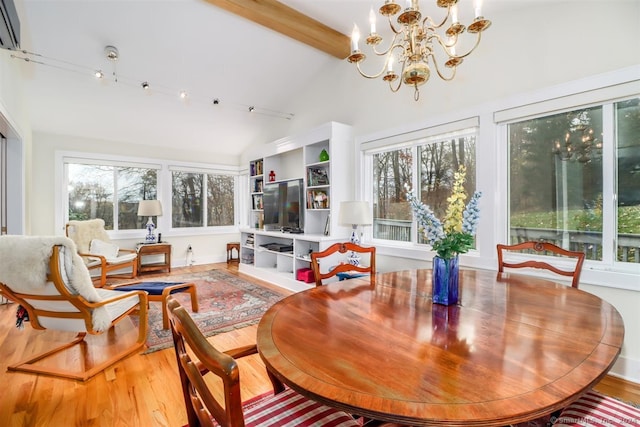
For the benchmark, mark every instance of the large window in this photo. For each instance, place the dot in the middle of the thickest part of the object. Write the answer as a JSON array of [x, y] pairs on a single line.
[[109, 192], [628, 182], [111, 189], [556, 187], [199, 198], [427, 165]]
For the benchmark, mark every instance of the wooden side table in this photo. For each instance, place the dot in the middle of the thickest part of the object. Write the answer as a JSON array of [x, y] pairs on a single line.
[[154, 249]]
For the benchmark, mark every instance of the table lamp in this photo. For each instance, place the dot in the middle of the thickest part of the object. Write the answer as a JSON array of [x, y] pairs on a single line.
[[355, 214], [150, 208]]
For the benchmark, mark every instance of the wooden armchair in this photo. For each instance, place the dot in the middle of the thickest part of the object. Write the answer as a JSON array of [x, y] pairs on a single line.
[[58, 294], [543, 248], [343, 268], [95, 246], [285, 408]]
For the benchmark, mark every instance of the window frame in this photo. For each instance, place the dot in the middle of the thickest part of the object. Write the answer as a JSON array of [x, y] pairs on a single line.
[[164, 189], [609, 173], [412, 140]]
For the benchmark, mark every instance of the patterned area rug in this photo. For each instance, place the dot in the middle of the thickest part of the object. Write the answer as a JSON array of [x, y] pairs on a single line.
[[226, 302]]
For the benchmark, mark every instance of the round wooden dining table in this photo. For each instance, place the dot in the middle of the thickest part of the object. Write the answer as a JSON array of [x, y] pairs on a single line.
[[513, 349]]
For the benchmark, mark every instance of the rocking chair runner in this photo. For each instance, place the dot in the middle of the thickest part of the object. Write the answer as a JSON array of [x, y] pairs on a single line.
[[61, 302]]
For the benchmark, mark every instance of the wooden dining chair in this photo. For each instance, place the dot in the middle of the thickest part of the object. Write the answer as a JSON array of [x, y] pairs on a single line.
[[542, 248], [285, 408], [342, 268]]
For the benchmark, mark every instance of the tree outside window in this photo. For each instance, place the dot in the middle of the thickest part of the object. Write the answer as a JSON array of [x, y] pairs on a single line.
[[438, 158], [556, 191], [199, 199], [93, 189]]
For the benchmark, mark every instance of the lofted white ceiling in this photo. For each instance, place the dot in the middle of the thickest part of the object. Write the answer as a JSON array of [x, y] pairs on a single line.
[[174, 45]]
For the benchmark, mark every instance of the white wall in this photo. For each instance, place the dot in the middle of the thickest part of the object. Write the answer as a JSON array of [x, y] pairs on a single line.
[[544, 44], [14, 125], [209, 247]]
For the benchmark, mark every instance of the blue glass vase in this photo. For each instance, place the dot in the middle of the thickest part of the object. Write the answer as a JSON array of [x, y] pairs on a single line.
[[445, 280]]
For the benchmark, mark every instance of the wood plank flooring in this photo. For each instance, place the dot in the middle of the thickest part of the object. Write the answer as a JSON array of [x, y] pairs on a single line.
[[141, 390]]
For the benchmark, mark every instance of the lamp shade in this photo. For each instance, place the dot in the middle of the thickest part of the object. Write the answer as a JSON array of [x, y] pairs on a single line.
[[355, 212], [149, 208]]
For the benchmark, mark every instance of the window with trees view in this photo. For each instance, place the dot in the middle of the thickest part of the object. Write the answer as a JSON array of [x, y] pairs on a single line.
[[432, 161], [112, 190], [199, 199], [109, 192], [556, 188]]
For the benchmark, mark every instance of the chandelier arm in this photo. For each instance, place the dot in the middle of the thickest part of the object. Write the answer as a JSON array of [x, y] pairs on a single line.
[[394, 44], [397, 85], [394, 29], [442, 76], [370, 76], [473, 48], [433, 24], [446, 46]]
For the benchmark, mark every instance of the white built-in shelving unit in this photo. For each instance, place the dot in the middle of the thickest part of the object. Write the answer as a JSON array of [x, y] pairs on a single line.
[[276, 256]]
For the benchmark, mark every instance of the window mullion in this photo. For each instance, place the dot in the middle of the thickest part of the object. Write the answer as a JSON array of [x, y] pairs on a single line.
[[116, 200], [609, 192]]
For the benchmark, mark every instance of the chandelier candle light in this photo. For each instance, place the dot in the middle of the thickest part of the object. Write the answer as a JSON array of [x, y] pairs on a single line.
[[450, 239], [414, 43]]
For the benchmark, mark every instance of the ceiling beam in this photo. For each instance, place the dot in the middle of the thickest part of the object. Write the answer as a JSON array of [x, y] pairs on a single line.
[[285, 20]]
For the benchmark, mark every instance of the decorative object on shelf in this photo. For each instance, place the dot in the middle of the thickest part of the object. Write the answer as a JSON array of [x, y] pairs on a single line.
[[317, 176], [150, 208], [324, 156], [354, 214], [448, 240], [320, 200], [272, 176], [414, 43]]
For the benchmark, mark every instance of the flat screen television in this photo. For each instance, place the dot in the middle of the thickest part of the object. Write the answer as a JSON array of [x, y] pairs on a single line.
[[283, 205]]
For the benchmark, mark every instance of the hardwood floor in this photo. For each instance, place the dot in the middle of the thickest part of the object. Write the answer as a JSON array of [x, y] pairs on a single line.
[[141, 390]]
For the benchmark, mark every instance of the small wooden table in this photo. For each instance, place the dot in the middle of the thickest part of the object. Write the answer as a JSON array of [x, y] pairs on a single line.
[[154, 249], [516, 348]]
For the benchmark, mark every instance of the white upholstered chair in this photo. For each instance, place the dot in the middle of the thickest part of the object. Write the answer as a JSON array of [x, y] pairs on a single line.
[[96, 248], [47, 277]]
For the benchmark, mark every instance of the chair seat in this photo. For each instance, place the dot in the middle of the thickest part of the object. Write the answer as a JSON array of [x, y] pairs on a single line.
[[152, 288], [596, 410], [290, 409]]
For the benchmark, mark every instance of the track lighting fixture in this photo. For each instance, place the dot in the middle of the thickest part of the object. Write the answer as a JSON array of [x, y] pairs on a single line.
[[112, 54]]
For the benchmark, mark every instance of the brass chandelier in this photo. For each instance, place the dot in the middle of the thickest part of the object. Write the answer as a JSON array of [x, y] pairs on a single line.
[[414, 43]]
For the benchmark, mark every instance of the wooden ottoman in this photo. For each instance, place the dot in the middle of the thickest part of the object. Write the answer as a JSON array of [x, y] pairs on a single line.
[[160, 291]]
